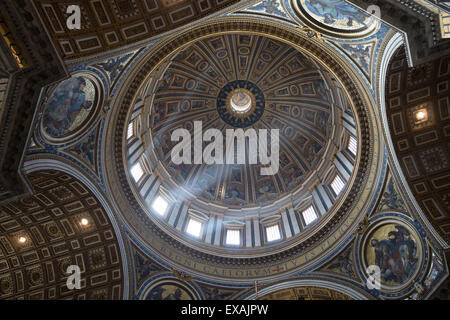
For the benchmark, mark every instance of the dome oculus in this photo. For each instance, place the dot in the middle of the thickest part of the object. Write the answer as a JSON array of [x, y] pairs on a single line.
[[240, 101]]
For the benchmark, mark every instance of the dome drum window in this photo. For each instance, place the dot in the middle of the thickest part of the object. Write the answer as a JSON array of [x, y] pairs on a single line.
[[273, 233], [352, 145], [233, 237], [160, 205], [130, 130], [137, 172], [275, 227], [194, 227], [309, 215], [233, 232], [337, 185]]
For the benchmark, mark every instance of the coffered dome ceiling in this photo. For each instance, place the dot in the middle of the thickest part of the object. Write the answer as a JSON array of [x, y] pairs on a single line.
[[241, 81], [285, 90], [241, 75]]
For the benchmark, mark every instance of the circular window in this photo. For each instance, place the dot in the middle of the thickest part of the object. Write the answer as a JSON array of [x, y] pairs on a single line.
[[240, 101]]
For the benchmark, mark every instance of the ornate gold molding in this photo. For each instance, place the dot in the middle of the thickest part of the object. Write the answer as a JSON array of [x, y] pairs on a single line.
[[14, 47]]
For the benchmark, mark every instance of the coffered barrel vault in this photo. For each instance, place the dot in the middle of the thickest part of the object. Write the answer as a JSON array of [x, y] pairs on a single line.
[[112, 24], [63, 224], [418, 110]]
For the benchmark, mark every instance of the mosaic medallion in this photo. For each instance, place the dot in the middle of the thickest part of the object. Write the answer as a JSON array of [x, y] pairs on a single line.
[[336, 16], [395, 249], [70, 106], [169, 290]]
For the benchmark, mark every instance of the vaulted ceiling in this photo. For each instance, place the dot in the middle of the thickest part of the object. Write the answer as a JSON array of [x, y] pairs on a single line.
[[422, 145], [55, 238], [111, 24], [419, 20], [295, 99]]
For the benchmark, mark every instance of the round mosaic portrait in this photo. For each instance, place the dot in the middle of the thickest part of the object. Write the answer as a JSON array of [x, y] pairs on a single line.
[[336, 16], [169, 290], [396, 249], [70, 106]]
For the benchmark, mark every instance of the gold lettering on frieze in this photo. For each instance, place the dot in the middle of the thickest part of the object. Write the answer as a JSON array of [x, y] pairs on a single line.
[[248, 273], [13, 46]]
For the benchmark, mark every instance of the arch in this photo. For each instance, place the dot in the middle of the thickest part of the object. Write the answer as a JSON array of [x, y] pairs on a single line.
[[392, 46], [53, 164], [311, 282]]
